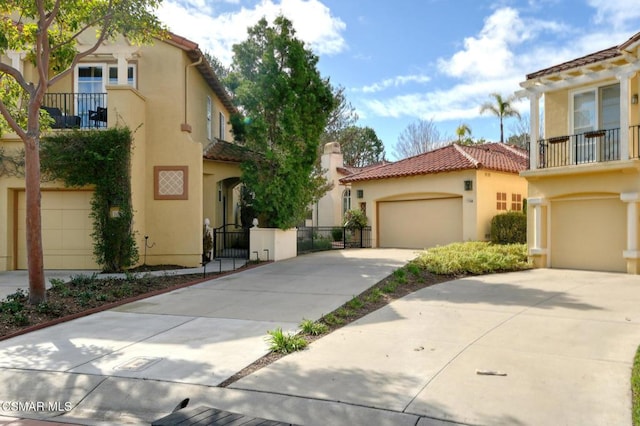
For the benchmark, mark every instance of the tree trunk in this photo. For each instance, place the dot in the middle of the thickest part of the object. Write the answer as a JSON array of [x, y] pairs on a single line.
[[37, 290], [501, 132]]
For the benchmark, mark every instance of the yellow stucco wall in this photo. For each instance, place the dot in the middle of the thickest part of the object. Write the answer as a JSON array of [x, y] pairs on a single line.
[[478, 205], [490, 182]]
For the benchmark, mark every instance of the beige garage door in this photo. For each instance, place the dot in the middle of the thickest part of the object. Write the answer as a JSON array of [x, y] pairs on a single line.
[[420, 223], [588, 234], [66, 230]]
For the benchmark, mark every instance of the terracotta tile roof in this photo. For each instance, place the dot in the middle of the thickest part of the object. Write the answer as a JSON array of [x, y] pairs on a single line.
[[220, 150], [195, 54], [603, 55], [350, 170], [454, 157]]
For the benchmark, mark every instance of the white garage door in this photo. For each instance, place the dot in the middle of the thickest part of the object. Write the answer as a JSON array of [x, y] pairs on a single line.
[[66, 230], [588, 234], [420, 223]]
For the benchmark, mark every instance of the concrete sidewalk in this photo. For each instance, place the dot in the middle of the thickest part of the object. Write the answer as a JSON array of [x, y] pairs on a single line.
[[564, 340]]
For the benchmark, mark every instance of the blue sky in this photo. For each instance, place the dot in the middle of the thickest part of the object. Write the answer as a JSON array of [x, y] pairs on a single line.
[[406, 60]]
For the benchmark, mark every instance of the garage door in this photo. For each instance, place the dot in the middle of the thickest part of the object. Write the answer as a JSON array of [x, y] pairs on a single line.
[[420, 223], [66, 230], [588, 234]]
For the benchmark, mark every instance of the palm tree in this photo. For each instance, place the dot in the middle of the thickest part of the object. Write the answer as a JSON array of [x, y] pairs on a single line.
[[463, 130], [501, 108]]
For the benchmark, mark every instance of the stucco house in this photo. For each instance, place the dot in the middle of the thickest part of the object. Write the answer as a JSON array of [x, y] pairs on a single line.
[[184, 170], [330, 209], [442, 196], [584, 176]]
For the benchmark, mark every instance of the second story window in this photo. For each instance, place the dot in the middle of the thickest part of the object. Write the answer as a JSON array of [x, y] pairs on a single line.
[[209, 114], [222, 126], [131, 75]]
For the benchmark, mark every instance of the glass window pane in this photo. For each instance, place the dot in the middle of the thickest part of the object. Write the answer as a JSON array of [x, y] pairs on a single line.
[[610, 107], [584, 112]]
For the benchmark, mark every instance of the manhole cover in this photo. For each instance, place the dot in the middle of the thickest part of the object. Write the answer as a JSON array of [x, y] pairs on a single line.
[[138, 363]]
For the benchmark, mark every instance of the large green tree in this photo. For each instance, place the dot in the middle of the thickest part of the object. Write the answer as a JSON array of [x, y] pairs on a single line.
[[47, 32], [285, 104], [502, 108]]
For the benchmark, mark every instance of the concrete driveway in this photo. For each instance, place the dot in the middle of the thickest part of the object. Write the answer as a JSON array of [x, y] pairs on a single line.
[[564, 340], [558, 346]]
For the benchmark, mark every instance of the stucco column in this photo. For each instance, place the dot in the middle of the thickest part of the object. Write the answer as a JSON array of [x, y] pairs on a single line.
[[534, 126], [536, 246], [123, 68], [624, 114], [632, 254]]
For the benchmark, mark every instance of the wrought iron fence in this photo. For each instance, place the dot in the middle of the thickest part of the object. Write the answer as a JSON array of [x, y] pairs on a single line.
[[319, 238], [231, 241]]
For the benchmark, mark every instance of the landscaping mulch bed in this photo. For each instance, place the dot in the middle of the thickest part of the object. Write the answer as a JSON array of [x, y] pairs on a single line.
[[85, 295]]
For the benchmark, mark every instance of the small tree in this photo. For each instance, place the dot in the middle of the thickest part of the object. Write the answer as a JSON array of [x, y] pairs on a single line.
[[286, 104], [47, 31]]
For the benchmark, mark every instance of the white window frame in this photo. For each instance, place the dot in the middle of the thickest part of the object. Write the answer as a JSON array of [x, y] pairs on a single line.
[[346, 201], [209, 117], [222, 130]]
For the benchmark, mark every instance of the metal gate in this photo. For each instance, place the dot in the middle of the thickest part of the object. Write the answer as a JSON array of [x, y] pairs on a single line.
[[231, 241]]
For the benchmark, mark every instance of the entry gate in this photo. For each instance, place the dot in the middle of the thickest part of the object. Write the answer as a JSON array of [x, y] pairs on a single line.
[[231, 241]]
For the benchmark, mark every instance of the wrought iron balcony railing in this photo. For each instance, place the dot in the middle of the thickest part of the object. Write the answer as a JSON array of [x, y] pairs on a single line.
[[589, 147], [76, 110]]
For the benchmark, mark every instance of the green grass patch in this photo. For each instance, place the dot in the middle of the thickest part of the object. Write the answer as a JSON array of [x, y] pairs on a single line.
[[474, 257], [284, 343], [311, 328], [374, 296], [635, 389], [355, 303], [390, 286]]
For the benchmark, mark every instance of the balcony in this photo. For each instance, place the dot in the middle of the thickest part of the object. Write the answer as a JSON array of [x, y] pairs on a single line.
[[589, 147], [76, 110]]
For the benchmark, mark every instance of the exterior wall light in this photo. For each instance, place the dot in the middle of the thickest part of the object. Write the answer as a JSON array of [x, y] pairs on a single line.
[[360, 193], [634, 98]]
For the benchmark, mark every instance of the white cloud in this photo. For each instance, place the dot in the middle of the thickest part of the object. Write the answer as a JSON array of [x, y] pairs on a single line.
[[394, 82], [199, 21], [615, 13]]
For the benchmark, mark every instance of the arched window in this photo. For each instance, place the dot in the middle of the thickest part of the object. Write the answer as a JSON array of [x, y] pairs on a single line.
[[346, 201]]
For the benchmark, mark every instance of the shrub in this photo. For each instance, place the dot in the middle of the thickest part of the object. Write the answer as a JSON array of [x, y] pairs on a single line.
[[336, 234], [313, 328], [509, 228], [355, 219], [284, 343], [474, 257]]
